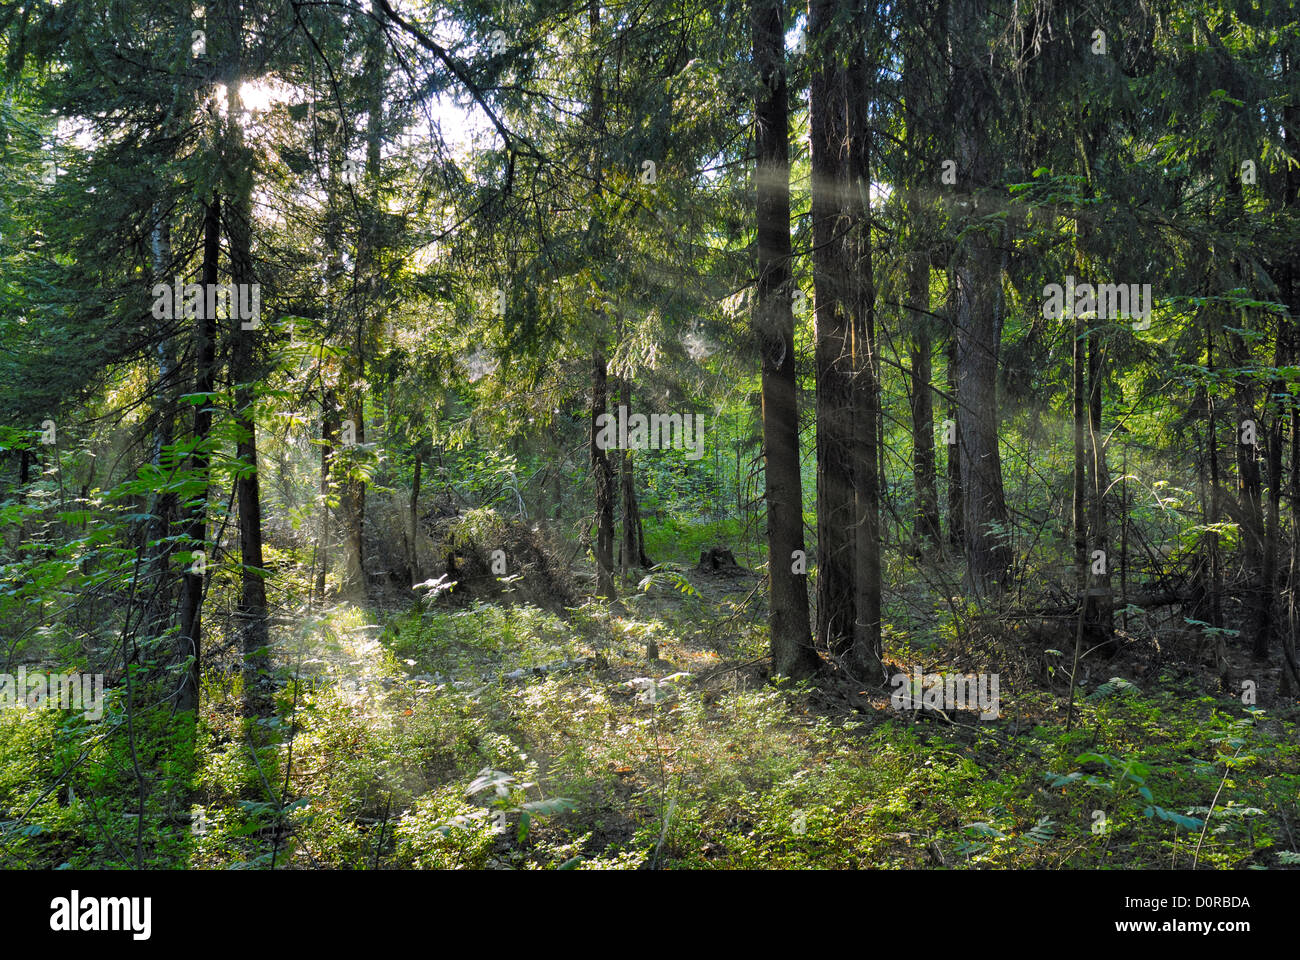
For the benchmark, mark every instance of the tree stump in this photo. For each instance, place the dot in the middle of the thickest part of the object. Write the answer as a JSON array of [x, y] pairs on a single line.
[[719, 560]]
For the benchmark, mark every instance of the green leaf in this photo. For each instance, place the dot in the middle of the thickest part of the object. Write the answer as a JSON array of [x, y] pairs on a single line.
[[1059, 780], [1176, 818], [546, 808], [1115, 685], [489, 779]]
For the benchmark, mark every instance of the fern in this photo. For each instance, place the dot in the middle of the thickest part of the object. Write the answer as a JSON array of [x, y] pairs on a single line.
[[1115, 686], [1044, 831], [669, 576]]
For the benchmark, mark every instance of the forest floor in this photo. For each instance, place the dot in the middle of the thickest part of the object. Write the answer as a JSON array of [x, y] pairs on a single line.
[[502, 735]]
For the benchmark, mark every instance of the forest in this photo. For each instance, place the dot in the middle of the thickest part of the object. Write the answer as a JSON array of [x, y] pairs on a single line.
[[649, 435]]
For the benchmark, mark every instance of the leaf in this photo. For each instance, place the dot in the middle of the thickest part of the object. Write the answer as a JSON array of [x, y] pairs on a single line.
[[489, 779], [1134, 770], [1060, 780], [525, 821], [1175, 818], [1223, 96], [547, 808], [1042, 832], [985, 830], [570, 864], [1115, 685]]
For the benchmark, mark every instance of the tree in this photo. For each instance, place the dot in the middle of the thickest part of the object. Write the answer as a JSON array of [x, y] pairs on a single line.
[[836, 504], [788, 622], [917, 116], [848, 533], [977, 300]]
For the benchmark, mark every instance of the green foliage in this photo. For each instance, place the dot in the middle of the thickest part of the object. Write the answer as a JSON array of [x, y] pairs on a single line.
[[1114, 687], [455, 303]]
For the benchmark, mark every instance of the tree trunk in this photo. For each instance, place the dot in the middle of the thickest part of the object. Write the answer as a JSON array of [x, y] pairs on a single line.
[[602, 474], [926, 524], [793, 654], [1291, 124], [833, 336], [1079, 404], [604, 478], [1293, 612], [632, 550], [956, 495], [413, 564], [1264, 623], [162, 506], [1099, 590], [1123, 537], [353, 500], [976, 320], [193, 530], [856, 93], [329, 433], [1212, 538], [1250, 495], [251, 610]]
